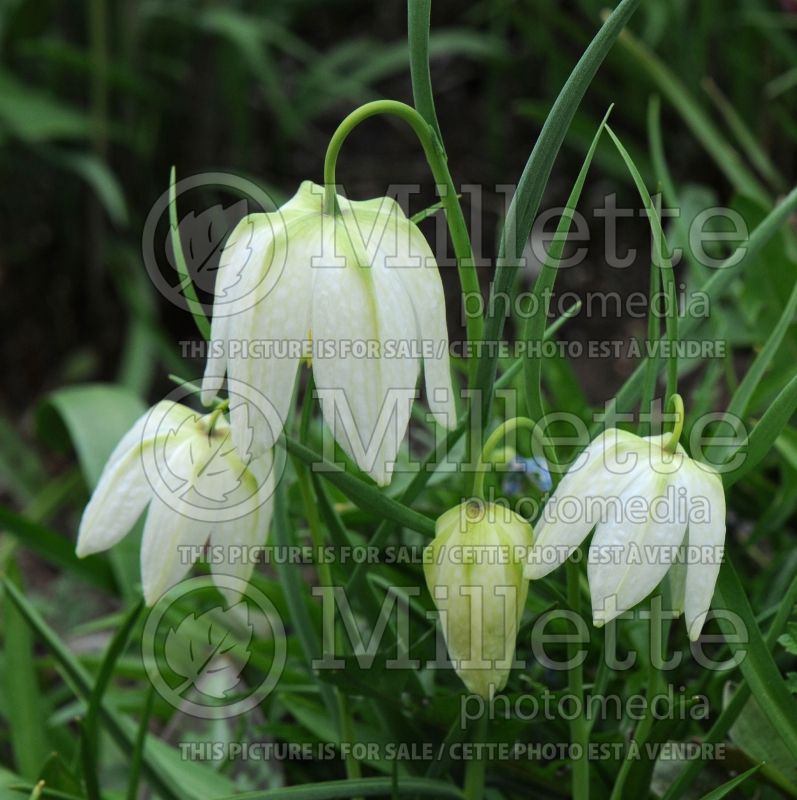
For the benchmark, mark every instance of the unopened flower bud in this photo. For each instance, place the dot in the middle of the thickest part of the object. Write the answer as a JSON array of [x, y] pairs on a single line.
[[474, 571]]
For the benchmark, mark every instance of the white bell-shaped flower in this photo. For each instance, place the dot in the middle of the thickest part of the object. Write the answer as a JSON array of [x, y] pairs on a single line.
[[184, 469], [357, 293], [652, 510], [474, 572]]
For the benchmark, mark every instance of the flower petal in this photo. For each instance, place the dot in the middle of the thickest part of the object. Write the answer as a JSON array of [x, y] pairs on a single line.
[[166, 547], [631, 553], [279, 326], [407, 254], [365, 397], [598, 472], [123, 490], [235, 542], [708, 534]]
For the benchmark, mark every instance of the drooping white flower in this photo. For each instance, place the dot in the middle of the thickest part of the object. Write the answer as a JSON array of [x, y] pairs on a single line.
[[649, 508], [359, 294], [474, 572], [183, 468]]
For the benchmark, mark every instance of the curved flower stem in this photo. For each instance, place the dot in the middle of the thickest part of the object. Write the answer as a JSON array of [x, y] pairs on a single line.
[[677, 404], [216, 413], [435, 156], [495, 438]]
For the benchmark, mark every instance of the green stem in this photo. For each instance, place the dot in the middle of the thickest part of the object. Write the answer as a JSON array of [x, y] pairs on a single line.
[[329, 635], [435, 156], [495, 438], [654, 687], [216, 413], [579, 727], [677, 404], [418, 15], [475, 769]]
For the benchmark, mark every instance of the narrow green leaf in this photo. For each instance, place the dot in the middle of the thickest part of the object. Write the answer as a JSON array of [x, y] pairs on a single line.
[[758, 667], [364, 787], [755, 153], [57, 549], [661, 252], [741, 397], [90, 728], [27, 735], [725, 720], [729, 786], [418, 13], [732, 268], [761, 439], [296, 591], [543, 286], [533, 181], [701, 125], [168, 774], [360, 493], [187, 284], [137, 759]]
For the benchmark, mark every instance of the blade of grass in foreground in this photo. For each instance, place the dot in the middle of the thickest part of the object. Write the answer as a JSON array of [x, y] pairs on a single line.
[[168, 775], [543, 286], [364, 787], [186, 284], [664, 262], [761, 439], [533, 181], [758, 667]]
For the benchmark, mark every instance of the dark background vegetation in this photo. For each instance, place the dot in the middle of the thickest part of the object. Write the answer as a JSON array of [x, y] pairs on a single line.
[[97, 101]]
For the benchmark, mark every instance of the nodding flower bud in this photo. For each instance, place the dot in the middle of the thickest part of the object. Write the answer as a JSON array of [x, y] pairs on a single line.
[[474, 572]]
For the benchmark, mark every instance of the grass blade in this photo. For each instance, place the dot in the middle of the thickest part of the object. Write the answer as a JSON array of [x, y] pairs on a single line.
[[734, 267], [187, 284], [665, 264], [90, 729], [364, 787], [543, 286], [760, 441], [729, 786], [704, 130], [758, 667], [137, 759], [360, 493], [533, 181]]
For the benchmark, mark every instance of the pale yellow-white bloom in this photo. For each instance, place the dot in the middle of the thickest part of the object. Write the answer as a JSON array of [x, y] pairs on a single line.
[[195, 486], [474, 572], [358, 295], [649, 508]]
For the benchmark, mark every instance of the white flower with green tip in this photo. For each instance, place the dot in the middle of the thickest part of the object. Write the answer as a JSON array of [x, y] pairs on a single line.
[[648, 506], [183, 468], [325, 286]]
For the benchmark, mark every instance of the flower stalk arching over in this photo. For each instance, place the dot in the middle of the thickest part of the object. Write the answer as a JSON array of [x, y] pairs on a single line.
[[475, 576], [318, 284], [631, 553], [183, 468]]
